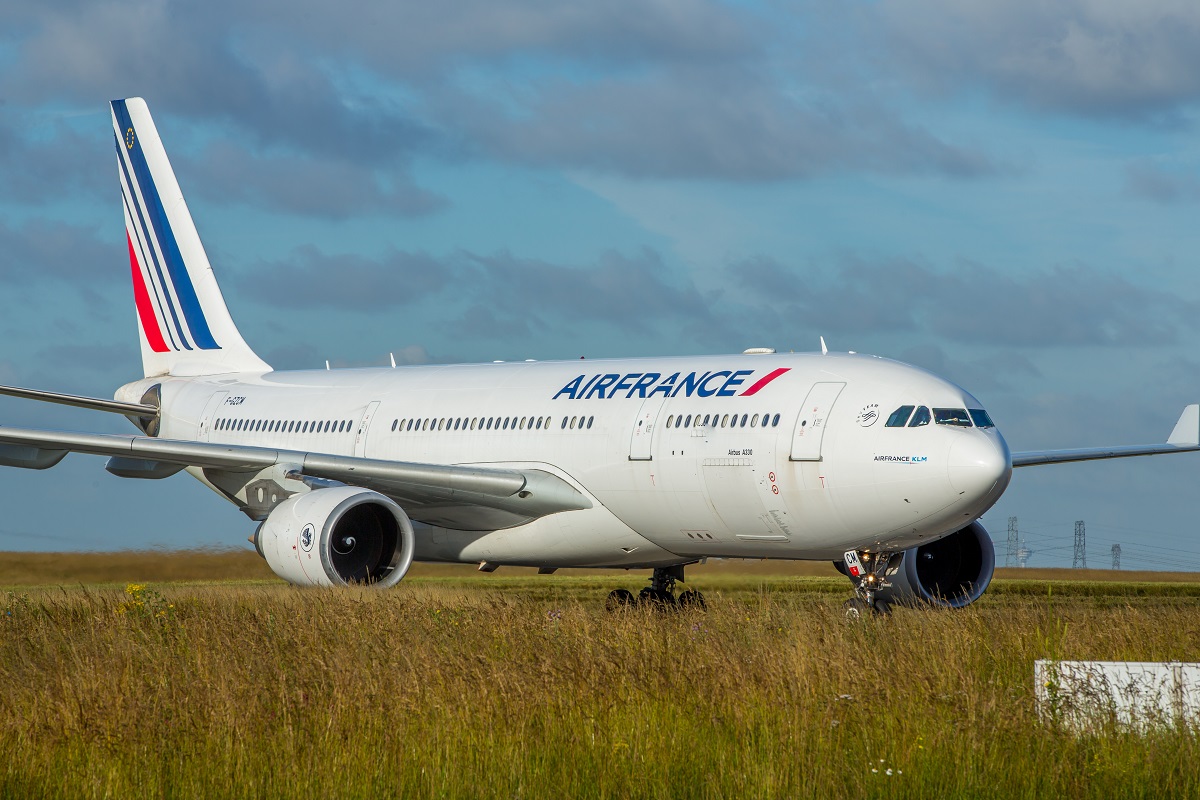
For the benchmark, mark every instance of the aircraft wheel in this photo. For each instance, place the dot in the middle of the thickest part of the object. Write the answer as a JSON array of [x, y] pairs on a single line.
[[690, 599], [656, 597], [856, 609], [619, 599]]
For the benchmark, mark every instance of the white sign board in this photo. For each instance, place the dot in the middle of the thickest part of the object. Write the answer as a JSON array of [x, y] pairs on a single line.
[[1140, 694]]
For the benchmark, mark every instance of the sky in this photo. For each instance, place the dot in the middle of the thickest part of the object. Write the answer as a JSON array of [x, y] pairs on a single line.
[[1003, 193]]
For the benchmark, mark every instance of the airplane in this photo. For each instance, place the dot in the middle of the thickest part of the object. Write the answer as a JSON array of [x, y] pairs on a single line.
[[640, 463]]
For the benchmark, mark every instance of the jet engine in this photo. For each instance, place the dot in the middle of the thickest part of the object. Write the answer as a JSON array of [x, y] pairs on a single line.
[[952, 572], [337, 536]]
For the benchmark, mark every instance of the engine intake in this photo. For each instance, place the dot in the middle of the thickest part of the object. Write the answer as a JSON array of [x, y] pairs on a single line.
[[337, 536], [952, 572]]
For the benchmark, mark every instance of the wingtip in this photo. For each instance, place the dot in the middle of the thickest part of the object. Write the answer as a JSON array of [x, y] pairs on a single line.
[[1187, 429]]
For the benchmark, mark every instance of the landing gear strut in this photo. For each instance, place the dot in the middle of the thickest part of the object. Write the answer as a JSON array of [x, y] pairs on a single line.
[[660, 593], [868, 571]]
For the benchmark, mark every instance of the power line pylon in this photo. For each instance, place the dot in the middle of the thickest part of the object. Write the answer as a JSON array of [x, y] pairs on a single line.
[[1080, 560], [1010, 557]]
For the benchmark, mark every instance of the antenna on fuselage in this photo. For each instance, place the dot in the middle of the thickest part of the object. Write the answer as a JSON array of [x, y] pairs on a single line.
[[393, 357], [327, 363], [824, 349]]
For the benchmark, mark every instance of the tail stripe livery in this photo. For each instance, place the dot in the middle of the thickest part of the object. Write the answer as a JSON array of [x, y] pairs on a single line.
[[186, 329], [149, 321], [141, 299], [161, 237], [148, 256]]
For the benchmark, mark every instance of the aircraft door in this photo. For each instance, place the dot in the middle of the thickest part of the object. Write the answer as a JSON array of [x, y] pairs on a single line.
[[210, 411], [642, 439], [810, 424], [360, 438]]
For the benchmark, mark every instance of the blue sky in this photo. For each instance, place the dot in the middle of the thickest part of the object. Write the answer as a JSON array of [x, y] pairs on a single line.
[[1003, 193]]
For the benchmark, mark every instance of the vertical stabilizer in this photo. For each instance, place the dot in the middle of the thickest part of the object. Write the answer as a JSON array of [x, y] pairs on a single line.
[[185, 327]]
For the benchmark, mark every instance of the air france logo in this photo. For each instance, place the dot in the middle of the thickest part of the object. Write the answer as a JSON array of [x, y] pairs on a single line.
[[720, 383], [903, 459], [307, 536], [868, 415]]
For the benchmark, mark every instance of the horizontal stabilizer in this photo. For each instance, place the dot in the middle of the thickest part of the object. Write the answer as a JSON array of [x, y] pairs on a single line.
[[94, 403], [1185, 438]]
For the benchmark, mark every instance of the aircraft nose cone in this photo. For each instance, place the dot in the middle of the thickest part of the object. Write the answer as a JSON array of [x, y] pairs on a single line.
[[979, 465]]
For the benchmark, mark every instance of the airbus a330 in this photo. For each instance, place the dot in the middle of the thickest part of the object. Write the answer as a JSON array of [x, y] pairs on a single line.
[[646, 463]]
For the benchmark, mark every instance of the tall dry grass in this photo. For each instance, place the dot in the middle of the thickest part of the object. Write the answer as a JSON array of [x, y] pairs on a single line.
[[461, 689]]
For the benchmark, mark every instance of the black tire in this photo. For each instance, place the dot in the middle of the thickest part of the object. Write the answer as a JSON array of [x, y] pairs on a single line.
[[656, 597], [690, 599], [619, 599], [856, 609]]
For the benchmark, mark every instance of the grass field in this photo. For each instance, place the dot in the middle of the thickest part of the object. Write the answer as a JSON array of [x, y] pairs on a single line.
[[215, 680]]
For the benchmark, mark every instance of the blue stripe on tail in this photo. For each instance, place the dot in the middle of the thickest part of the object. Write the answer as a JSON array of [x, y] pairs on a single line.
[[184, 289]]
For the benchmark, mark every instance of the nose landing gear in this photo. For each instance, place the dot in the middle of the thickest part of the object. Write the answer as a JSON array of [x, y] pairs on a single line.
[[868, 571], [659, 594]]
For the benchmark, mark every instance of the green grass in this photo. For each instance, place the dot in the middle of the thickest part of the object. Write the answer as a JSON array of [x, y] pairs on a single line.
[[458, 685]]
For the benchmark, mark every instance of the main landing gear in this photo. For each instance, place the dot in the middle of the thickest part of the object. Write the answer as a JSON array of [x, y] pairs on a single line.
[[659, 594], [867, 570]]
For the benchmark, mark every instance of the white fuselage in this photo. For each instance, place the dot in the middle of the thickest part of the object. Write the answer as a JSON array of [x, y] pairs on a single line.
[[808, 470]]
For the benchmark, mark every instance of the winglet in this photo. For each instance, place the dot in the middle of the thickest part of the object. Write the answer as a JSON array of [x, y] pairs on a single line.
[[1187, 430]]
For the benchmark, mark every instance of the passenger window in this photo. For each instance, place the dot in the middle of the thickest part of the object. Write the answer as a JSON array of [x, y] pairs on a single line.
[[754, 421], [724, 420], [573, 421], [981, 418], [957, 417], [564, 423], [590, 421], [670, 420], [920, 418], [899, 417], [744, 418], [688, 423]]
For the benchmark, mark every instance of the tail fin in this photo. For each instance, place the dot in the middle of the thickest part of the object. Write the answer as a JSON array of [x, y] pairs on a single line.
[[185, 327]]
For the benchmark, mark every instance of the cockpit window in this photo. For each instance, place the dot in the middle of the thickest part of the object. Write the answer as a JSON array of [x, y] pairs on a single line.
[[899, 417], [981, 418], [952, 416], [920, 418]]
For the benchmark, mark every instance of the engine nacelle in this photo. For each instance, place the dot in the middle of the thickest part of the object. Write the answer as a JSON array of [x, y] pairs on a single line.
[[952, 572], [337, 536]]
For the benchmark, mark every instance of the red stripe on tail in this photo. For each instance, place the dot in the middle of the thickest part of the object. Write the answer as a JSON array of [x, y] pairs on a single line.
[[763, 381], [142, 299]]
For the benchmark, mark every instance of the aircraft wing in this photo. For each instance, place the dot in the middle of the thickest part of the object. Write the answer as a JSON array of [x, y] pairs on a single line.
[[1185, 438], [462, 497]]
